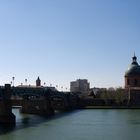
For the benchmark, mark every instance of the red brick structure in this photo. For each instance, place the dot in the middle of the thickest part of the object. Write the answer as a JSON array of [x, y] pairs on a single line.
[[132, 75], [38, 82], [132, 82]]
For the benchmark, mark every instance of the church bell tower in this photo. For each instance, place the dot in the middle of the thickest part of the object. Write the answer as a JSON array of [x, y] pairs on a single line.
[[38, 82]]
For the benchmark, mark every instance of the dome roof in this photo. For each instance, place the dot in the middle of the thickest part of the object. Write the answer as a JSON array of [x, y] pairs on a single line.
[[134, 68]]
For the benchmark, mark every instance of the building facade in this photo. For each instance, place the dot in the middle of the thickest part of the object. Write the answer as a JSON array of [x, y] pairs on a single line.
[[132, 75], [80, 85], [132, 82]]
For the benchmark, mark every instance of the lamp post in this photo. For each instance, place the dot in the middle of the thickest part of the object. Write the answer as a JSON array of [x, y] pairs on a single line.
[[13, 78], [11, 83], [62, 88], [44, 84], [56, 87], [25, 81]]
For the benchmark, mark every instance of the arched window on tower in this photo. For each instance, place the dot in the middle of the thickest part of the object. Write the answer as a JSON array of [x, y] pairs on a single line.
[[128, 82], [135, 82]]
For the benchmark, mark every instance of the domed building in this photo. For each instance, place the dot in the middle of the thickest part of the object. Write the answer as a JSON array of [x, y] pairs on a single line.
[[132, 81], [132, 75]]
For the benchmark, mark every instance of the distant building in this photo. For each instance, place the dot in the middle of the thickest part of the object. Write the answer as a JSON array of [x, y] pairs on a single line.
[[132, 75], [38, 82], [80, 85], [132, 82]]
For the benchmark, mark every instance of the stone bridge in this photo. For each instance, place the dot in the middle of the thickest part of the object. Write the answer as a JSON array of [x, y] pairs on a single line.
[[37, 100]]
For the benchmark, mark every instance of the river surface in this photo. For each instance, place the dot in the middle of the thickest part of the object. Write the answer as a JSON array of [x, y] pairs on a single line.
[[92, 124]]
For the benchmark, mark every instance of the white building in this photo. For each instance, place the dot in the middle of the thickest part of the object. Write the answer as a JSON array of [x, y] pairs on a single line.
[[80, 85]]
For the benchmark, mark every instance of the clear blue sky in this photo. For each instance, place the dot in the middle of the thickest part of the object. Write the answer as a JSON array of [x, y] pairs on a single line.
[[63, 40]]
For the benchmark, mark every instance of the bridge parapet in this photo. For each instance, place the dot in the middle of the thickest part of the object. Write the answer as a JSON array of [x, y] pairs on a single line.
[[39, 107], [35, 104], [64, 101], [43, 101]]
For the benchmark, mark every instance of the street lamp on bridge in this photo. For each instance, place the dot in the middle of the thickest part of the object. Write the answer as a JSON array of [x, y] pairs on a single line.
[[25, 81], [13, 78]]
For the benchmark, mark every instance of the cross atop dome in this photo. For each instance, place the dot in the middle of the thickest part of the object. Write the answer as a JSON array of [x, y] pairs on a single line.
[[134, 60]]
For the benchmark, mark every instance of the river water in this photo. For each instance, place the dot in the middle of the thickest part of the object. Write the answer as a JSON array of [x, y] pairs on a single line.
[[92, 124]]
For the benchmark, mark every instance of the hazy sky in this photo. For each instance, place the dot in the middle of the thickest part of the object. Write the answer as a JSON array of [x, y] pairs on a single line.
[[63, 40]]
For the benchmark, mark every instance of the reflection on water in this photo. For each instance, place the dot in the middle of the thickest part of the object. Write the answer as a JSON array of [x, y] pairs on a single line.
[[6, 128], [25, 120], [22, 121], [134, 122], [28, 120], [77, 125]]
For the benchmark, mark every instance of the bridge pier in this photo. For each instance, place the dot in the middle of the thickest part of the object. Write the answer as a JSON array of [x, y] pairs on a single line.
[[6, 115]]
